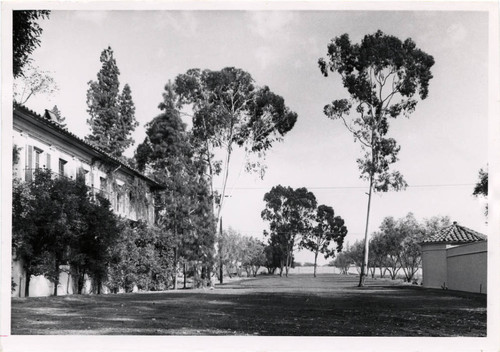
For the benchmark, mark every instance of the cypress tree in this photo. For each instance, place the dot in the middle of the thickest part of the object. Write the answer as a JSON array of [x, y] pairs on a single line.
[[112, 115]]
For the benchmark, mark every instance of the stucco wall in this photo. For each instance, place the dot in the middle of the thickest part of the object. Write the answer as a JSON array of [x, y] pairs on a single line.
[[461, 268], [434, 265], [48, 147], [39, 285], [467, 267]]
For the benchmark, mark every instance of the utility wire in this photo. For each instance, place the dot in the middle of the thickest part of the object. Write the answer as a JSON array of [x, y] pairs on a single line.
[[361, 187]]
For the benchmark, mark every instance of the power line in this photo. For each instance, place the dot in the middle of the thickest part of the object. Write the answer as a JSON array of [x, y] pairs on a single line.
[[359, 187]]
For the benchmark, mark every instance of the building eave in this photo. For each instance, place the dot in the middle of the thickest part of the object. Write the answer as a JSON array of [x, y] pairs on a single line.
[[63, 134]]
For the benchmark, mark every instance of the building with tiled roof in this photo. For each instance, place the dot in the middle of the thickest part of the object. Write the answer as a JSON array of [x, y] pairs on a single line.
[[455, 258], [456, 234], [41, 142]]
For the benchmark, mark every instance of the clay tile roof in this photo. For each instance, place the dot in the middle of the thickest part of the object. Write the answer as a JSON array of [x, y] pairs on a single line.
[[456, 234]]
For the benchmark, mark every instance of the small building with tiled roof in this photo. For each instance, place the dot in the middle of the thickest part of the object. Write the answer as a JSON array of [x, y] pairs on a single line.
[[455, 258]]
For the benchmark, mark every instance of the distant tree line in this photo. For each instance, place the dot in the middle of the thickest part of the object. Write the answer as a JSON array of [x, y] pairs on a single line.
[[240, 254], [395, 248]]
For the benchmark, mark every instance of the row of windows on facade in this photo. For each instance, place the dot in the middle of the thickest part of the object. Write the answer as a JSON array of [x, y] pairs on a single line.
[[62, 166]]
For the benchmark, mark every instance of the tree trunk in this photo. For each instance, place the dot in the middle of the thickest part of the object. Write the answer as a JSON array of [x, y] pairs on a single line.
[[27, 285], [67, 284], [185, 275], [287, 262], [221, 273], [364, 266], [203, 274], [209, 275], [56, 282], [80, 283], [221, 266], [174, 275], [315, 260]]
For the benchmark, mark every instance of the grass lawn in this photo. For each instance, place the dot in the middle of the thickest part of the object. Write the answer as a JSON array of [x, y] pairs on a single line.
[[329, 305]]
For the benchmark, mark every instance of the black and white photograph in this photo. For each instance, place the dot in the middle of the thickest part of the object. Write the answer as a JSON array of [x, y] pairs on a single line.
[[234, 176]]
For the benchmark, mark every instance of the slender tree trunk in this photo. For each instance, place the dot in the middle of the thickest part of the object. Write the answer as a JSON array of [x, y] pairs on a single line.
[[185, 275], [67, 284], [79, 284], [224, 183], [209, 275], [175, 268], [221, 265], [27, 284], [364, 266], [315, 260], [286, 262], [56, 282]]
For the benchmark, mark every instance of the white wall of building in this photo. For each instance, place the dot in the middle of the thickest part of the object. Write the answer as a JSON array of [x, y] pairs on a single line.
[[467, 267], [434, 265], [45, 150], [461, 268]]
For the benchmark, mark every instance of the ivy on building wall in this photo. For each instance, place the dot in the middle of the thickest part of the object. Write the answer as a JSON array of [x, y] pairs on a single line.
[[134, 188], [15, 154]]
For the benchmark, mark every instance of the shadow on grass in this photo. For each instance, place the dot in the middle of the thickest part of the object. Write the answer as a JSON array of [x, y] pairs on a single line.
[[294, 306]]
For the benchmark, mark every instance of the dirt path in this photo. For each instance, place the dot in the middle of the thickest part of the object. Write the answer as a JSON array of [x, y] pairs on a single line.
[[330, 305]]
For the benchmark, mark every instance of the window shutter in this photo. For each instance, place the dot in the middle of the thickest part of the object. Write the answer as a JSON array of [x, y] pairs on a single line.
[[29, 163], [48, 161]]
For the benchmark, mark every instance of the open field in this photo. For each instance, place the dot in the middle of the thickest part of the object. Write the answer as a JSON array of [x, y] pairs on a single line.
[[329, 305]]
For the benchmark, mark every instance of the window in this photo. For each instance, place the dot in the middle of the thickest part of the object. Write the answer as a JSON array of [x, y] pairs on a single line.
[[38, 152], [29, 163], [131, 201], [103, 184], [62, 164], [82, 175], [118, 198]]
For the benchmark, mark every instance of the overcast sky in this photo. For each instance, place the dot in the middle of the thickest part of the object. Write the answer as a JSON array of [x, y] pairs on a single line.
[[443, 144]]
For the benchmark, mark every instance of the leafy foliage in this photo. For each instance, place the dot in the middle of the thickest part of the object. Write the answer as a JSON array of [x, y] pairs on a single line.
[[142, 258], [56, 223], [326, 228], [289, 213], [383, 76], [343, 262], [274, 255], [15, 154], [481, 187], [183, 207], [112, 115], [60, 119], [34, 81], [238, 252], [26, 34], [396, 246], [230, 111], [91, 249]]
